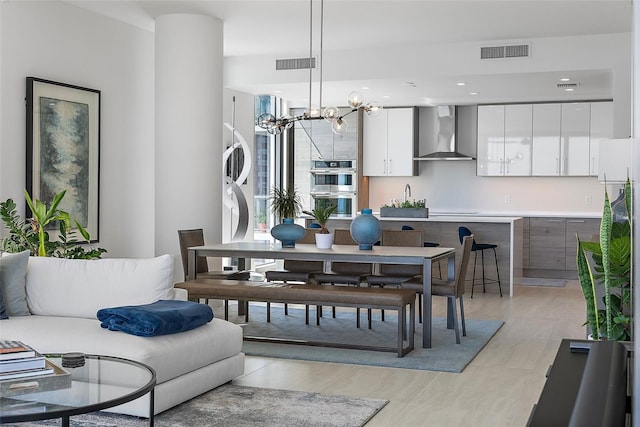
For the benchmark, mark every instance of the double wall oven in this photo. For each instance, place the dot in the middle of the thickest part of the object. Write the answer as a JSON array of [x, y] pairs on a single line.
[[334, 182]]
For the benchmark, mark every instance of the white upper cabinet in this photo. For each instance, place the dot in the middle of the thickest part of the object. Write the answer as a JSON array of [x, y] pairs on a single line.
[[389, 143], [504, 140], [601, 128], [490, 156], [574, 142], [518, 134], [553, 139], [546, 139]]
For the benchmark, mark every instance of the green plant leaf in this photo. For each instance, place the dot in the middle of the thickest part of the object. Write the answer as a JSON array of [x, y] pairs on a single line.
[[588, 289]]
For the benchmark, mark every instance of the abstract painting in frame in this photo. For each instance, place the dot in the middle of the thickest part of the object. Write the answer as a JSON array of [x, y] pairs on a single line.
[[63, 148]]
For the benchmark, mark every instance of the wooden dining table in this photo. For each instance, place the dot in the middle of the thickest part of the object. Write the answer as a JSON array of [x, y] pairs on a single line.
[[339, 253]]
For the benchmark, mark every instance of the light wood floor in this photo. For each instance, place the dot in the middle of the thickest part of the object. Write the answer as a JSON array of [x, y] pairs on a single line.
[[498, 388]]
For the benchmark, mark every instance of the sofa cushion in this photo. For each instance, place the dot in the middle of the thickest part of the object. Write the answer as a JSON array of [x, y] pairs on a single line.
[[12, 283], [79, 288], [170, 355]]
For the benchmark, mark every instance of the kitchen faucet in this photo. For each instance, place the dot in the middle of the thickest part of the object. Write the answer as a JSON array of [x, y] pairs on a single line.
[[407, 188]]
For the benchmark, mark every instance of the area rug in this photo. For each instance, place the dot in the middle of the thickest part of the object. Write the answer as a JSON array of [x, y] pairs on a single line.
[[445, 355], [240, 406], [534, 281]]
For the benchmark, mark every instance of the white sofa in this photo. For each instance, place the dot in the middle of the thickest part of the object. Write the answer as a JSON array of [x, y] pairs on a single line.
[[64, 295]]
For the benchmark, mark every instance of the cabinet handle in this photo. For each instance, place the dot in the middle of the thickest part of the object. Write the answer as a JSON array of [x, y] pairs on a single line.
[[555, 220], [593, 165], [384, 166], [576, 221], [389, 165]]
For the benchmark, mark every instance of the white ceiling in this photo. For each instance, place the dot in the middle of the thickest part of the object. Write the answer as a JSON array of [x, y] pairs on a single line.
[[281, 28]]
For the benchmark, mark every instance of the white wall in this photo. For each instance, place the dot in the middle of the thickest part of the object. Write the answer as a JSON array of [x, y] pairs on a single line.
[[454, 187], [60, 42]]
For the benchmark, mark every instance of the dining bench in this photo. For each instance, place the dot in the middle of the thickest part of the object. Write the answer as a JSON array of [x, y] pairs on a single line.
[[319, 295]]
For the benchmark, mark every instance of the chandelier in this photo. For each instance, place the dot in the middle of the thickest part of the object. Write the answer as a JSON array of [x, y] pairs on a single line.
[[332, 115]]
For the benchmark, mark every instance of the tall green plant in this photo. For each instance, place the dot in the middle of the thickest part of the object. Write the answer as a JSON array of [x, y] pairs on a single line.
[[612, 272]]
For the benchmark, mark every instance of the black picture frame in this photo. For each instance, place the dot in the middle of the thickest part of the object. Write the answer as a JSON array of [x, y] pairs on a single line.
[[63, 148]]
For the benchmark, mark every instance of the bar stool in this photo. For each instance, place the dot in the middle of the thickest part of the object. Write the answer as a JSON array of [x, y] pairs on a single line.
[[481, 247]]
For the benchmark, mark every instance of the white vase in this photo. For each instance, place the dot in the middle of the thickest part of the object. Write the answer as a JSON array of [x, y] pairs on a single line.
[[324, 241]]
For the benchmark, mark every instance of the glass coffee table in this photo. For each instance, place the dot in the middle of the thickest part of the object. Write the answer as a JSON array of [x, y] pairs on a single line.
[[103, 382]]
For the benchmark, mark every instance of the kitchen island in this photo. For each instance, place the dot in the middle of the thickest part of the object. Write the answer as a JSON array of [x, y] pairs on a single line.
[[504, 231]]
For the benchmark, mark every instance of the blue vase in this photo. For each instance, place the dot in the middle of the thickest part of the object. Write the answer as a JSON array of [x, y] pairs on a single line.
[[365, 230], [288, 233]]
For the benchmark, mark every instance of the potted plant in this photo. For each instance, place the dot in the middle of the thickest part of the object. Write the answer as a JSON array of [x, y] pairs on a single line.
[[286, 205], [31, 234], [324, 238], [609, 274], [406, 209]]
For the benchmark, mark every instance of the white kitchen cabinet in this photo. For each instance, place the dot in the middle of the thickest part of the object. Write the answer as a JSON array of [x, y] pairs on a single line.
[[504, 140], [389, 143], [601, 128], [546, 139], [574, 139], [490, 140]]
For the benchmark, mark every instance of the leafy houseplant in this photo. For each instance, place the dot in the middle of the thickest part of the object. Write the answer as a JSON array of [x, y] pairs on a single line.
[[285, 203], [611, 273], [31, 234], [321, 215]]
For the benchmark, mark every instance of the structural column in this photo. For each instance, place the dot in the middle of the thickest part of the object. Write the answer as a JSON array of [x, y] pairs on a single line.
[[188, 131]]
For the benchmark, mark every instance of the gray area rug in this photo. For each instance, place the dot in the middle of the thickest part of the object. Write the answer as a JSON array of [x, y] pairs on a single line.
[[533, 281], [445, 355], [239, 406]]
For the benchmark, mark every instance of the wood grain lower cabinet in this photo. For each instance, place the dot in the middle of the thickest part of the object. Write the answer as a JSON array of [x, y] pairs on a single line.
[[551, 244], [547, 243]]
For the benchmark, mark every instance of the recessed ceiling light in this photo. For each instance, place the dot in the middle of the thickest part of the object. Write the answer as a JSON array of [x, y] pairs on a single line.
[[473, 93], [364, 88], [565, 79], [277, 91], [569, 89], [386, 96], [461, 84]]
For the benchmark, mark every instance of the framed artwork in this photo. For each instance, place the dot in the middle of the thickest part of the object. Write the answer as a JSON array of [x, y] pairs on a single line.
[[63, 148]]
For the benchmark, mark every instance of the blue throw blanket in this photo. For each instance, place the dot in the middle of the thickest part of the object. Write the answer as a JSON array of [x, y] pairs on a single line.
[[159, 318]]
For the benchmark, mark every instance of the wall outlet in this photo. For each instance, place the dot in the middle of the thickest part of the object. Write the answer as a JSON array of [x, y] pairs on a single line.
[[587, 200], [507, 199]]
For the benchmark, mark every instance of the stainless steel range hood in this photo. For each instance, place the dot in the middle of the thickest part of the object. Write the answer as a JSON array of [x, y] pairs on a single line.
[[440, 123]]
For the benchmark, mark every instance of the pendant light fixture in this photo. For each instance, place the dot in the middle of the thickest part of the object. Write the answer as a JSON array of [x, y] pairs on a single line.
[[332, 115]]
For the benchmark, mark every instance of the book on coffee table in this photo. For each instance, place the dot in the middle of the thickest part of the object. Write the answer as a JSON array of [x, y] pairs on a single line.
[[10, 349]]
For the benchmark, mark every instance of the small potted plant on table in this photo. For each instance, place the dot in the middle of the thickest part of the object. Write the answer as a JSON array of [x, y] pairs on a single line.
[[324, 238]]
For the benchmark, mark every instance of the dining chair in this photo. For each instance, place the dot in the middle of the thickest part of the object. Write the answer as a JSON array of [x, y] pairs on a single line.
[[195, 237], [481, 247], [396, 274], [453, 290], [345, 273], [295, 271]]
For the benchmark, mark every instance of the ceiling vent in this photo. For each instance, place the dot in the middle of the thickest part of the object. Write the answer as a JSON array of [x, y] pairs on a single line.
[[567, 85], [295, 63], [501, 52]]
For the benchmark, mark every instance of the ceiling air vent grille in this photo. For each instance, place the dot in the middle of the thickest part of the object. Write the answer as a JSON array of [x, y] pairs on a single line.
[[566, 85], [295, 63], [500, 52]]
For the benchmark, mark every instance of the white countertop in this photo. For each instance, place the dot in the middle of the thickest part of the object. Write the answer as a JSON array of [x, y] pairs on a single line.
[[447, 218]]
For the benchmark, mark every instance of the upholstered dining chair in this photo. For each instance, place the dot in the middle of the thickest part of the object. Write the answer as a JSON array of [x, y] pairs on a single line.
[[395, 274], [346, 273], [195, 237], [294, 271], [451, 289], [481, 247]]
